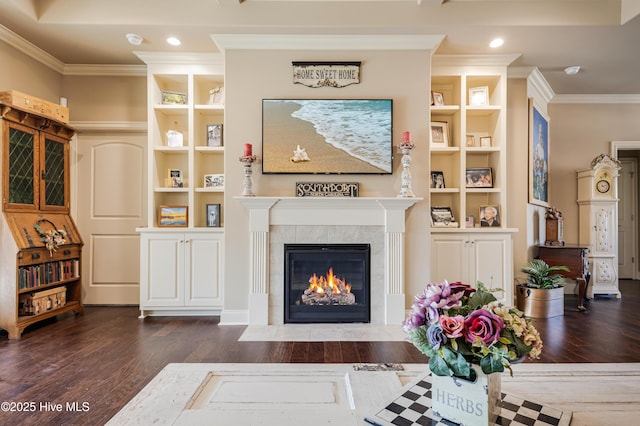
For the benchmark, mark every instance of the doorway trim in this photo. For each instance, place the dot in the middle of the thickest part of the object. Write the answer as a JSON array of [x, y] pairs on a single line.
[[617, 146]]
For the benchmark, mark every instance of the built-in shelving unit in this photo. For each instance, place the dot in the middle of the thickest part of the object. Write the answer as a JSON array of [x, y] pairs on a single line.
[[181, 267], [477, 139]]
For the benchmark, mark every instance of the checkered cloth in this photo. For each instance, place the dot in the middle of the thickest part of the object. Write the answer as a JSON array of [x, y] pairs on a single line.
[[413, 407]]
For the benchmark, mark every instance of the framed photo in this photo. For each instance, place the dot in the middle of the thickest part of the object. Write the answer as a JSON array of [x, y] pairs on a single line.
[[213, 215], [214, 181], [439, 133], [479, 177], [469, 221], [437, 179], [479, 96], [175, 178], [174, 98], [214, 134], [173, 216], [485, 141], [538, 156], [437, 98], [442, 216], [490, 216], [471, 140]]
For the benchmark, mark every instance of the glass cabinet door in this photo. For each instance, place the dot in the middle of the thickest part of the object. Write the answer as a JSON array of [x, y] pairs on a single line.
[[54, 183], [20, 159]]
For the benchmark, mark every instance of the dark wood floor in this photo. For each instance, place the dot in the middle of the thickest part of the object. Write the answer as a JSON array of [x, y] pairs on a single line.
[[106, 356]]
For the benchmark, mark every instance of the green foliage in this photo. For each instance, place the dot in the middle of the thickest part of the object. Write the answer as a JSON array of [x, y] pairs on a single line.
[[541, 275]]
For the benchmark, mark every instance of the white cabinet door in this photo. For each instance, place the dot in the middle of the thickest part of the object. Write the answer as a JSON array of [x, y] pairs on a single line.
[[471, 257], [204, 274], [449, 258], [162, 267]]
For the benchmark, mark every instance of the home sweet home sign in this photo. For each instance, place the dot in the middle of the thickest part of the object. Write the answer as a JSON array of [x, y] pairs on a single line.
[[326, 74]]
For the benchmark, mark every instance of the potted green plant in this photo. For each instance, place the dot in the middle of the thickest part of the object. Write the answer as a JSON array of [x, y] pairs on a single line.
[[542, 295]]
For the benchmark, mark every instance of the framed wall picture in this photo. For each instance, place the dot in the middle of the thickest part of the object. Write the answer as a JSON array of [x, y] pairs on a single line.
[[214, 134], [439, 133], [437, 179], [173, 216], [213, 215], [479, 96], [479, 177], [437, 98], [490, 216], [538, 156], [214, 181]]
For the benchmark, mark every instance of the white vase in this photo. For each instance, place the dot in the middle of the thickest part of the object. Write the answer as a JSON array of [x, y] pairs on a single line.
[[468, 403]]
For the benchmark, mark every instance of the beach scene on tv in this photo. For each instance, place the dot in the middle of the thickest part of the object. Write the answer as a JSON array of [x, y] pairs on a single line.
[[327, 136]]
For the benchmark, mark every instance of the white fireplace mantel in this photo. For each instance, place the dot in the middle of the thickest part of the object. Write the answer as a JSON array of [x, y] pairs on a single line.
[[327, 211]]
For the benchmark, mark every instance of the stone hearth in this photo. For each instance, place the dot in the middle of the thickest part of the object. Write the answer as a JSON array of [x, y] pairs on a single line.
[[275, 221]]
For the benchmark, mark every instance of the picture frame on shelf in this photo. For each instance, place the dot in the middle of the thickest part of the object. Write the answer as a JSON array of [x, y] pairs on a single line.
[[214, 181], [213, 215], [439, 134], [485, 141], [173, 98], [469, 221], [479, 177], [214, 135], [173, 216], [479, 96], [538, 156], [442, 216], [471, 141], [437, 98], [437, 179], [490, 216], [175, 178]]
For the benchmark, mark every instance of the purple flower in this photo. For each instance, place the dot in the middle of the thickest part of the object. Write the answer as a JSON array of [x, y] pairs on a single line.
[[483, 325], [436, 336]]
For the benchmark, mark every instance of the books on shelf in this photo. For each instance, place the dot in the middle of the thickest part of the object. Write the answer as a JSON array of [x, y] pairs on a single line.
[[47, 273]]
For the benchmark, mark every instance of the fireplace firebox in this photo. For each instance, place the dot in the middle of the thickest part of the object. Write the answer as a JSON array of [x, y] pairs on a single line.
[[327, 283]]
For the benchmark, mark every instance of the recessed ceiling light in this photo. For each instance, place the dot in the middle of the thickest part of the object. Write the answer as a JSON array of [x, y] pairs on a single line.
[[174, 41], [572, 70], [496, 42], [134, 39]]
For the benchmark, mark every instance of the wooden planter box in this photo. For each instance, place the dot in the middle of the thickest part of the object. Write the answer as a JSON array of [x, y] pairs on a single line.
[[539, 303]]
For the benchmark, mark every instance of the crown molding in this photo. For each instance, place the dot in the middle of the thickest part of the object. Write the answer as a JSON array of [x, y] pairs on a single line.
[[325, 42], [109, 126], [180, 58], [478, 60], [30, 49], [106, 70], [596, 99], [537, 80]]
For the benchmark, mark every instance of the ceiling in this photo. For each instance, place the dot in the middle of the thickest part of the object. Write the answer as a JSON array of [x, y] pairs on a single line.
[[601, 36]]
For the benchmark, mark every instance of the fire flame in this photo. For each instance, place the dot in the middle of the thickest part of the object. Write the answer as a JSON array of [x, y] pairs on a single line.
[[331, 284]]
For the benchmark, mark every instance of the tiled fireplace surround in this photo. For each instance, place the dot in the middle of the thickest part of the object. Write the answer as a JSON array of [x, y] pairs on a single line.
[[275, 221]]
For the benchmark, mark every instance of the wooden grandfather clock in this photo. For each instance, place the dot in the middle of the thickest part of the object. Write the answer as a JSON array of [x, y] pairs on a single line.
[[598, 216]]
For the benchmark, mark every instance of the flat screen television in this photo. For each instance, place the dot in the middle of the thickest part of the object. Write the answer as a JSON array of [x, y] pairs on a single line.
[[327, 136]]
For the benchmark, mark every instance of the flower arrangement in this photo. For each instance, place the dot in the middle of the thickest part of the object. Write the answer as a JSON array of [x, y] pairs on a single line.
[[456, 325], [52, 239]]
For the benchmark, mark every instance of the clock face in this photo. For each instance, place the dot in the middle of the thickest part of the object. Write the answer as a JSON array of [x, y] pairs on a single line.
[[603, 186]]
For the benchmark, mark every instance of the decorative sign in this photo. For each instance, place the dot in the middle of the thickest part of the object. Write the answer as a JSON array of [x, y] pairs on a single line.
[[326, 74], [327, 189]]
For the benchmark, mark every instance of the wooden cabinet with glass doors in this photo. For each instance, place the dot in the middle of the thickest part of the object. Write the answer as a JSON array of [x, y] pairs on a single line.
[[40, 273]]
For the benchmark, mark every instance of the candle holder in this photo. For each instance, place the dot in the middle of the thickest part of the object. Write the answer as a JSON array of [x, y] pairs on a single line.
[[405, 148], [247, 184]]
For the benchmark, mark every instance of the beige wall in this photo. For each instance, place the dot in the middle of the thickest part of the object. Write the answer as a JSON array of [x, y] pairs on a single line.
[[254, 75], [24, 74], [578, 133], [98, 98]]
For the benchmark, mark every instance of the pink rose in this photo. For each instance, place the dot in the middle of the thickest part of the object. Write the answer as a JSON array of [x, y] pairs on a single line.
[[483, 325], [452, 326]]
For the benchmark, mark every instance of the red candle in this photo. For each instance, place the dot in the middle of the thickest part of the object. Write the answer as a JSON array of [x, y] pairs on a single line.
[[406, 138], [247, 150]]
